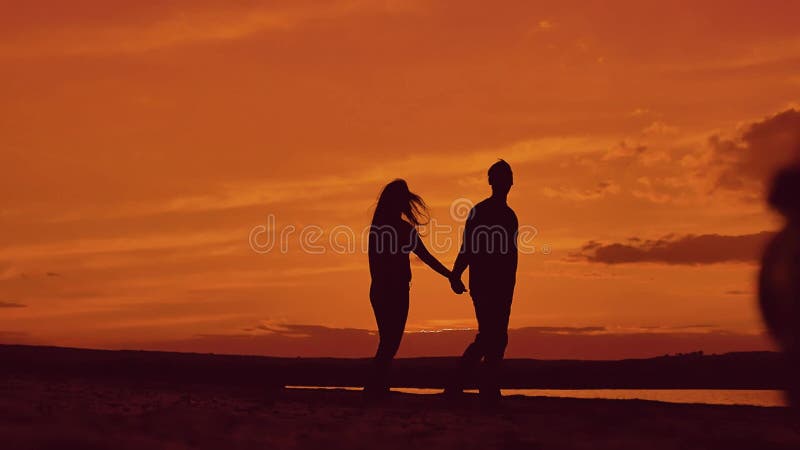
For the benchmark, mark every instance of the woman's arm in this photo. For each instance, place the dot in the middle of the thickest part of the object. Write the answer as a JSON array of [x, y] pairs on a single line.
[[422, 252]]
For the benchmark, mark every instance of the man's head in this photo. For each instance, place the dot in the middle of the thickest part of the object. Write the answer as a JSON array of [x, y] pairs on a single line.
[[500, 177]]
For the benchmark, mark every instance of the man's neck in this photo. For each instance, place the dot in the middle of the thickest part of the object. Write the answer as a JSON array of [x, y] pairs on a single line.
[[498, 197]]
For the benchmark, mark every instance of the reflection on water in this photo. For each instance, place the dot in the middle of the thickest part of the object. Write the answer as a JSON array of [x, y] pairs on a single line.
[[706, 396]]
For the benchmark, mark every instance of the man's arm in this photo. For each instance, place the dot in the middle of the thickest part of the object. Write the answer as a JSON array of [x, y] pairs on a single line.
[[460, 265], [463, 259]]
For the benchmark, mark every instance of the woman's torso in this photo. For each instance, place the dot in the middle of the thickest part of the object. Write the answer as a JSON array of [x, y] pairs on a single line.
[[389, 247]]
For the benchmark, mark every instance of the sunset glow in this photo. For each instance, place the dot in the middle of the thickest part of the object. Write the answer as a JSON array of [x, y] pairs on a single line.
[[143, 142]]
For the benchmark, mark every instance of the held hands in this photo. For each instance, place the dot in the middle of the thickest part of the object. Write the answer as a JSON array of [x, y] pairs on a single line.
[[457, 285], [455, 281]]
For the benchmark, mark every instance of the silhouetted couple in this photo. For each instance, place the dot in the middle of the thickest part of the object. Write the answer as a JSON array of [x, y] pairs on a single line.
[[488, 248]]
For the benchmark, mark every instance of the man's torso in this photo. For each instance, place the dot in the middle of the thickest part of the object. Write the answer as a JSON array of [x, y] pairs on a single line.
[[493, 259]]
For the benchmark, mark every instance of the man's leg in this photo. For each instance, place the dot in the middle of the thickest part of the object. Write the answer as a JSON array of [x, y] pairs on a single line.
[[477, 349], [471, 358], [496, 317]]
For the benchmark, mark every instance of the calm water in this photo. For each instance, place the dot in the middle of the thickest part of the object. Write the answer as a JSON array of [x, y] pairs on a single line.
[[707, 396]]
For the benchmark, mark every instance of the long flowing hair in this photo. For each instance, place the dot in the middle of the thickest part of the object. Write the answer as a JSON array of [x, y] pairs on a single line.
[[396, 199]]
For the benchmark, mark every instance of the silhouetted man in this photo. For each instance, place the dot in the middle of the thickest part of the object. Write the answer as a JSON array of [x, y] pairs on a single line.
[[489, 248]]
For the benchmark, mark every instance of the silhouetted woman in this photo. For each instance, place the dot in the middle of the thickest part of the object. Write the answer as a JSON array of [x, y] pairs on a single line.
[[779, 281], [393, 236]]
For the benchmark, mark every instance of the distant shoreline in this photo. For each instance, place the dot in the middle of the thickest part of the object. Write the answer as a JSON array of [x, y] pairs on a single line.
[[731, 371]]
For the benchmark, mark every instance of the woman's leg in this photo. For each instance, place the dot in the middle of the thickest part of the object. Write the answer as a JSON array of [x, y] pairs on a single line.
[[391, 312], [391, 326]]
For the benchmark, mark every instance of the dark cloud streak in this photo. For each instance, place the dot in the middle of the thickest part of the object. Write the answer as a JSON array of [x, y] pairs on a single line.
[[12, 305], [685, 250], [291, 340], [761, 148]]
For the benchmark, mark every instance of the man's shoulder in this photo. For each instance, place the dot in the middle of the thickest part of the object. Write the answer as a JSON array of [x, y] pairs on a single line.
[[479, 209], [483, 204], [489, 204], [508, 217], [511, 212]]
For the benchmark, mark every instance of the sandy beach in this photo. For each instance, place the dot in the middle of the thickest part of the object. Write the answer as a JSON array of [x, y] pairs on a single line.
[[76, 414]]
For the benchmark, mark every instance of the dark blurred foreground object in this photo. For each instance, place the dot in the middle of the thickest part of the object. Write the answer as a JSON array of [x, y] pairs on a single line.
[[779, 281]]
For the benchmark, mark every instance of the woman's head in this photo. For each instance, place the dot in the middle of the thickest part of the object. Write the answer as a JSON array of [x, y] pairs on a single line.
[[397, 201], [783, 195]]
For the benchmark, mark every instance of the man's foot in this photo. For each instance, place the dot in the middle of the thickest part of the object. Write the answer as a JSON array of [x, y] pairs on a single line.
[[490, 397], [453, 393], [376, 393]]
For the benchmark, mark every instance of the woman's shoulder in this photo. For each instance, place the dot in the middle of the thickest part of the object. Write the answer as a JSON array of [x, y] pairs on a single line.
[[407, 229], [383, 225], [400, 227]]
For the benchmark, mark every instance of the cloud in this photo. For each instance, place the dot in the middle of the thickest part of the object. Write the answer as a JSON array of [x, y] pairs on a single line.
[[660, 128], [545, 25], [757, 152], [566, 330], [17, 337], [290, 340], [158, 27], [9, 272], [12, 305], [686, 250], [738, 292], [601, 190], [625, 150], [675, 168]]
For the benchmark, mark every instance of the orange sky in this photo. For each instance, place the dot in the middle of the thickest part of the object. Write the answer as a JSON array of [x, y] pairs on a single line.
[[142, 142]]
